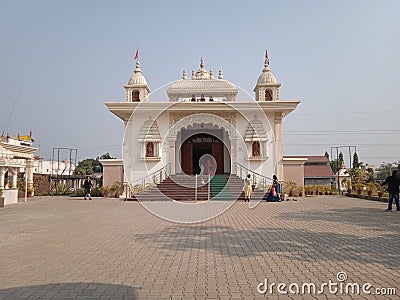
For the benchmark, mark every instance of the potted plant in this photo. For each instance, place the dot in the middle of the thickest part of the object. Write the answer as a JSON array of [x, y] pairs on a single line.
[[105, 190], [29, 192], [290, 188], [359, 187], [370, 188], [380, 190], [1, 199], [117, 188]]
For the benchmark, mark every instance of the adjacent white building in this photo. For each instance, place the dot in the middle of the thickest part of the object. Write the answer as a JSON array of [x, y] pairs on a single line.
[[200, 118], [48, 167], [15, 153]]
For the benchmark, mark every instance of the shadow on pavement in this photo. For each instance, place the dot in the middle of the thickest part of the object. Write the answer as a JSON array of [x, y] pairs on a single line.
[[79, 290], [319, 244]]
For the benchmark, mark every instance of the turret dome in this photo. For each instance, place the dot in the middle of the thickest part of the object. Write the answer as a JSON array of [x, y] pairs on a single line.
[[137, 78], [266, 76]]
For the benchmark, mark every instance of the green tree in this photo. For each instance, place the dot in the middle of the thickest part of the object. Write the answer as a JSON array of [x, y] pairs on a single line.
[[105, 156], [89, 166], [337, 163], [341, 160], [85, 167], [356, 163]]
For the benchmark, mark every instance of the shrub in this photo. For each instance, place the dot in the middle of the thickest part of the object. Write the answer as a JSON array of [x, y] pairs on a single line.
[[79, 193], [96, 192], [117, 188]]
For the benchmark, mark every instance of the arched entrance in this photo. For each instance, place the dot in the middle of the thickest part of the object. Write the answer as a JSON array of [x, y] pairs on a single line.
[[198, 145]]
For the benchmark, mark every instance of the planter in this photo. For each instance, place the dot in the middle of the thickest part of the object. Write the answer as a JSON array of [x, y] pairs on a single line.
[[369, 193], [116, 195], [29, 194], [380, 194], [1, 202], [359, 192]]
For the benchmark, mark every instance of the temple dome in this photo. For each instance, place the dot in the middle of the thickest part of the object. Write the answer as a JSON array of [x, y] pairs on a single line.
[[202, 84], [137, 78]]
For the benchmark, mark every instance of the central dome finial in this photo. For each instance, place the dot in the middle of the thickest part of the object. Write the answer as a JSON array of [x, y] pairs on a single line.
[[201, 62]]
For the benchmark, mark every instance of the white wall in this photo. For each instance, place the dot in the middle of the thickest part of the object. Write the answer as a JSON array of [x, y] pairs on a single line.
[[10, 196], [137, 168]]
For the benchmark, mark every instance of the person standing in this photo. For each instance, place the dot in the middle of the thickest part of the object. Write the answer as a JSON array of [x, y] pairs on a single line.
[[393, 183], [248, 189], [277, 186], [88, 187]]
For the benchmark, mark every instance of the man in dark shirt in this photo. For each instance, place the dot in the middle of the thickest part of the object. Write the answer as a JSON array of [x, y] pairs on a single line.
[[393, 183], [88, 187]]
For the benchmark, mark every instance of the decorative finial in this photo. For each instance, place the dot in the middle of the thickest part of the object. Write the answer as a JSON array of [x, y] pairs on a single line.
[[137, 70], [211, 74], [184, 74], [193, 74], [342, 165], [220, 75], [266, 62], [201, 63]]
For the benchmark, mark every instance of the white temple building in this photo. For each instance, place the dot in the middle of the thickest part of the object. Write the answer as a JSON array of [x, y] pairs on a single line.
[[202, 118]]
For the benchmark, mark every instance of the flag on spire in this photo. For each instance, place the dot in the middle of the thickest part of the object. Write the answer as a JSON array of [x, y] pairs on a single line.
[[266, 56], [137, 53]]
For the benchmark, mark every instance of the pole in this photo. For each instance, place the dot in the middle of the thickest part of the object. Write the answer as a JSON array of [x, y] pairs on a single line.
[[195, 189], [26, 186], [209, 183]]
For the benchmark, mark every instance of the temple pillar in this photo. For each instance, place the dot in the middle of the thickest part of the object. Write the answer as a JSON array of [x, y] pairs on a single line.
[[14, 172], [3, 171], [29, 174], [172, 157], [233, 156], [278, 145]]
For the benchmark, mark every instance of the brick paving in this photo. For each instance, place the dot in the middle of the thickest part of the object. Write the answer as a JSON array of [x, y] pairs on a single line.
[[64, 248]]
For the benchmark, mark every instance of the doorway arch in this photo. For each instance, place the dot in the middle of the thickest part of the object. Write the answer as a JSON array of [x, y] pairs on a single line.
[[195, 147]]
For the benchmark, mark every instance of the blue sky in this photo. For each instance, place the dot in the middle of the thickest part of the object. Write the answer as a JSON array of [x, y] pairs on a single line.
[[66, 58]]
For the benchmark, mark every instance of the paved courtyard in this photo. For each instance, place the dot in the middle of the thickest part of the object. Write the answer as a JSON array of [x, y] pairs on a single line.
[[65, 248]]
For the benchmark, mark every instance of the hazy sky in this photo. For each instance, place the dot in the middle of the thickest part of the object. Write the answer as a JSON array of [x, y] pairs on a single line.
[[66, 58]]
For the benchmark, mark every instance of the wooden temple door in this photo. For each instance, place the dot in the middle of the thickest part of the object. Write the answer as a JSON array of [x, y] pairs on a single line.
[[218, 154], [186, 157]]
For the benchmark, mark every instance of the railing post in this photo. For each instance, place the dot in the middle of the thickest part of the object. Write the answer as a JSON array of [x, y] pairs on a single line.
[[209, 184], [195, 189]]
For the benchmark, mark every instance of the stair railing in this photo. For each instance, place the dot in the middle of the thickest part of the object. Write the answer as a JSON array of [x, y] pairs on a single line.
[[195, 189], [209, 191], [260, 181], [150, 180], [202, 184]]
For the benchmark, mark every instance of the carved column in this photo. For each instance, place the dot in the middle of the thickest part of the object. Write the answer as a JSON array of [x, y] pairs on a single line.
[[278, 145], [14, 172], [171, 160], [29, 174], [233, 156], [3, 171]]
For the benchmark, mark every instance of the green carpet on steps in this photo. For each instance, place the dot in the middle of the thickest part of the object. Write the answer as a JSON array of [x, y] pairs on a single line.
[[219, 188]]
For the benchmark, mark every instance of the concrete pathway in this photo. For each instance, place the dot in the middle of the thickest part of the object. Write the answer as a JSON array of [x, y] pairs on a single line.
[[65, 248]]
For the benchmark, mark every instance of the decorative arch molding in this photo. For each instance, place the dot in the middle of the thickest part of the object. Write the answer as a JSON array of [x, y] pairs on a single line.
[[202, 118], [149, 140], [256, 140]]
